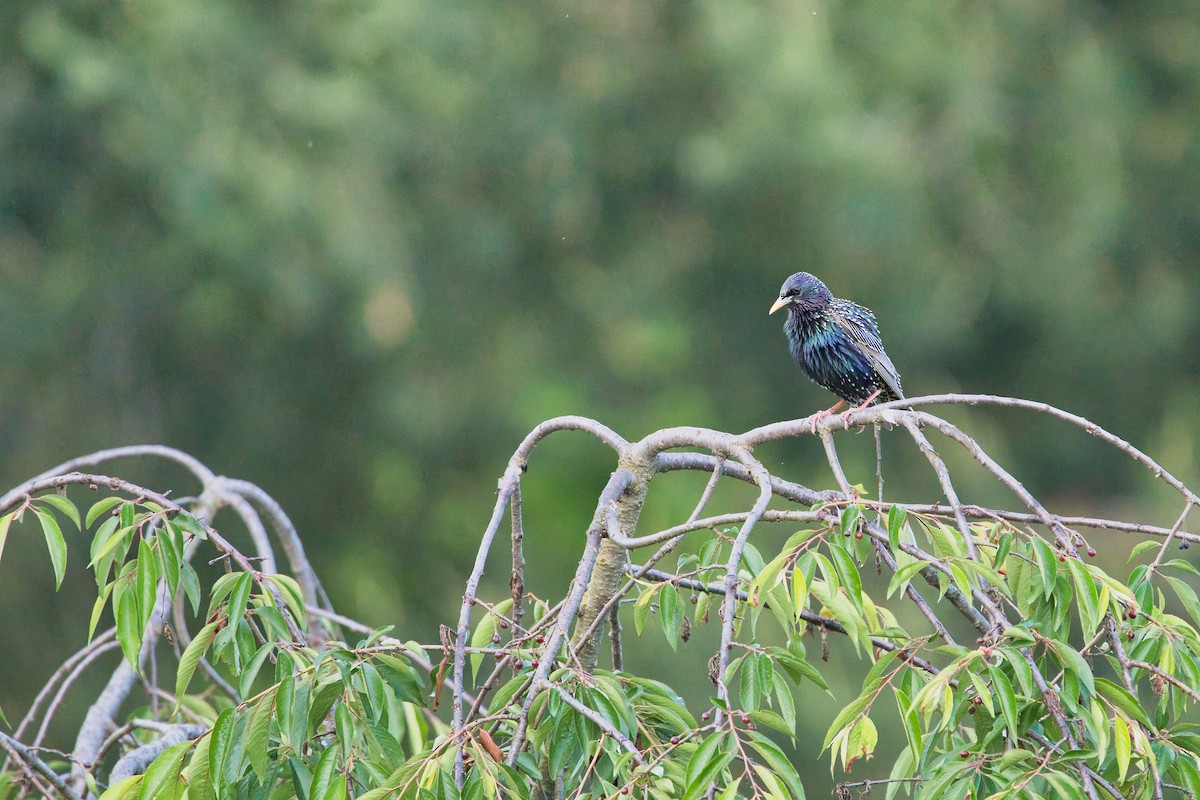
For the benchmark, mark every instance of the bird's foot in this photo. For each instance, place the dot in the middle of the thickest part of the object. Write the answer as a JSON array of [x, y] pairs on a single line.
[[823, 413], [845, 415]]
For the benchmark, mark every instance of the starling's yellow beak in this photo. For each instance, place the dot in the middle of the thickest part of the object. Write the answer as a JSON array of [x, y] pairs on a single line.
[[780, 303]]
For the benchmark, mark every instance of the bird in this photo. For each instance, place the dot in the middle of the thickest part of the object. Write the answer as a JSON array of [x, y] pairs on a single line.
[[836, 343]]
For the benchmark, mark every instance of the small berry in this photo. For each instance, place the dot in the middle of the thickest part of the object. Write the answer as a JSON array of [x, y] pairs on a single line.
[[745, 719], [499, 654], [1129, 635], [535, 664], [706, 715], [518, 664], [624, 790], [750, 726], [540, 639], [694, 599], [970, 709], [93, 486], [496, 639], [503, 625], [858, 535], [1001, 572], [965, 754], [1061, 557], [1091, 551], [674, 740]]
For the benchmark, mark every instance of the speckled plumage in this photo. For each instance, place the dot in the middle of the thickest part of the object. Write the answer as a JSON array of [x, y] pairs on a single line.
[[836, 342]]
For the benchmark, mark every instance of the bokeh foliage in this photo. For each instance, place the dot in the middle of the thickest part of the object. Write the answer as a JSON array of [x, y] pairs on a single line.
[[354, 250]]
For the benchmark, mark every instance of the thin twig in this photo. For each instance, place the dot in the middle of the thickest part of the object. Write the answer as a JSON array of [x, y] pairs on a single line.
[[516, 583], [557, 638], [30, 761], [943, 476], [729, 607]]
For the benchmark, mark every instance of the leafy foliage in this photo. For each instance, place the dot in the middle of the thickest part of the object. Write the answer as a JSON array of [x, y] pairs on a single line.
[[1079, 681]]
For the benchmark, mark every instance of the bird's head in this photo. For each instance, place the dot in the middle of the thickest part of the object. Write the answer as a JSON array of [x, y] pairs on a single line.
[[802, 291]]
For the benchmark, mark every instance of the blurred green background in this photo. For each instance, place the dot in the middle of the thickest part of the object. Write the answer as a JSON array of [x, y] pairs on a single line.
[[354, 250]]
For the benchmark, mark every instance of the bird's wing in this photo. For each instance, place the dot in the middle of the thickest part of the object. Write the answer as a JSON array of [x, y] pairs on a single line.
[[859, 324]]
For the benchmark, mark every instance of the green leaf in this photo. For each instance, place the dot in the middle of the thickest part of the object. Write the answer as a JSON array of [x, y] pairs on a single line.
[[55, 543], [5, 524], [846, 716], [64, 506], [861, 741], [1186, 595], [779, 763], [947, 541], [191, 585], [895, 521], [199, 778], [167, 560], [1123, 700], [129, 627], [1142, 547], [293, 598], [1185, 771], [124, 789], [258, 735], [828, 572], [127, 513], [902, 769], [912, 724], [324, 774], [670, 614], [221, 589], [1019, 636], [1122, 746], [1003, 547], [146, 583], [710, 758], [239, 595], [114, 545], [191, 658], [1003, 690], [98, 609], [100, 507], [1087, 597], [982, 692], [482, 637], [1180, 564], [903, 576], [220, 743], [769, 577], [1047, 562], [641, 609], [164, 778], [250, 672], [850, 517], [847, 571], [1073, 662]]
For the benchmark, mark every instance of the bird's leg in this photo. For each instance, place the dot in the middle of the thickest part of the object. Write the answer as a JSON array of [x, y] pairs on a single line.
[[820, 415], [846, 414]]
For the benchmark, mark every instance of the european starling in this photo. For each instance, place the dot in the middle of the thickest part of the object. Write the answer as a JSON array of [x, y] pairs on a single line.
[[836, 343]]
